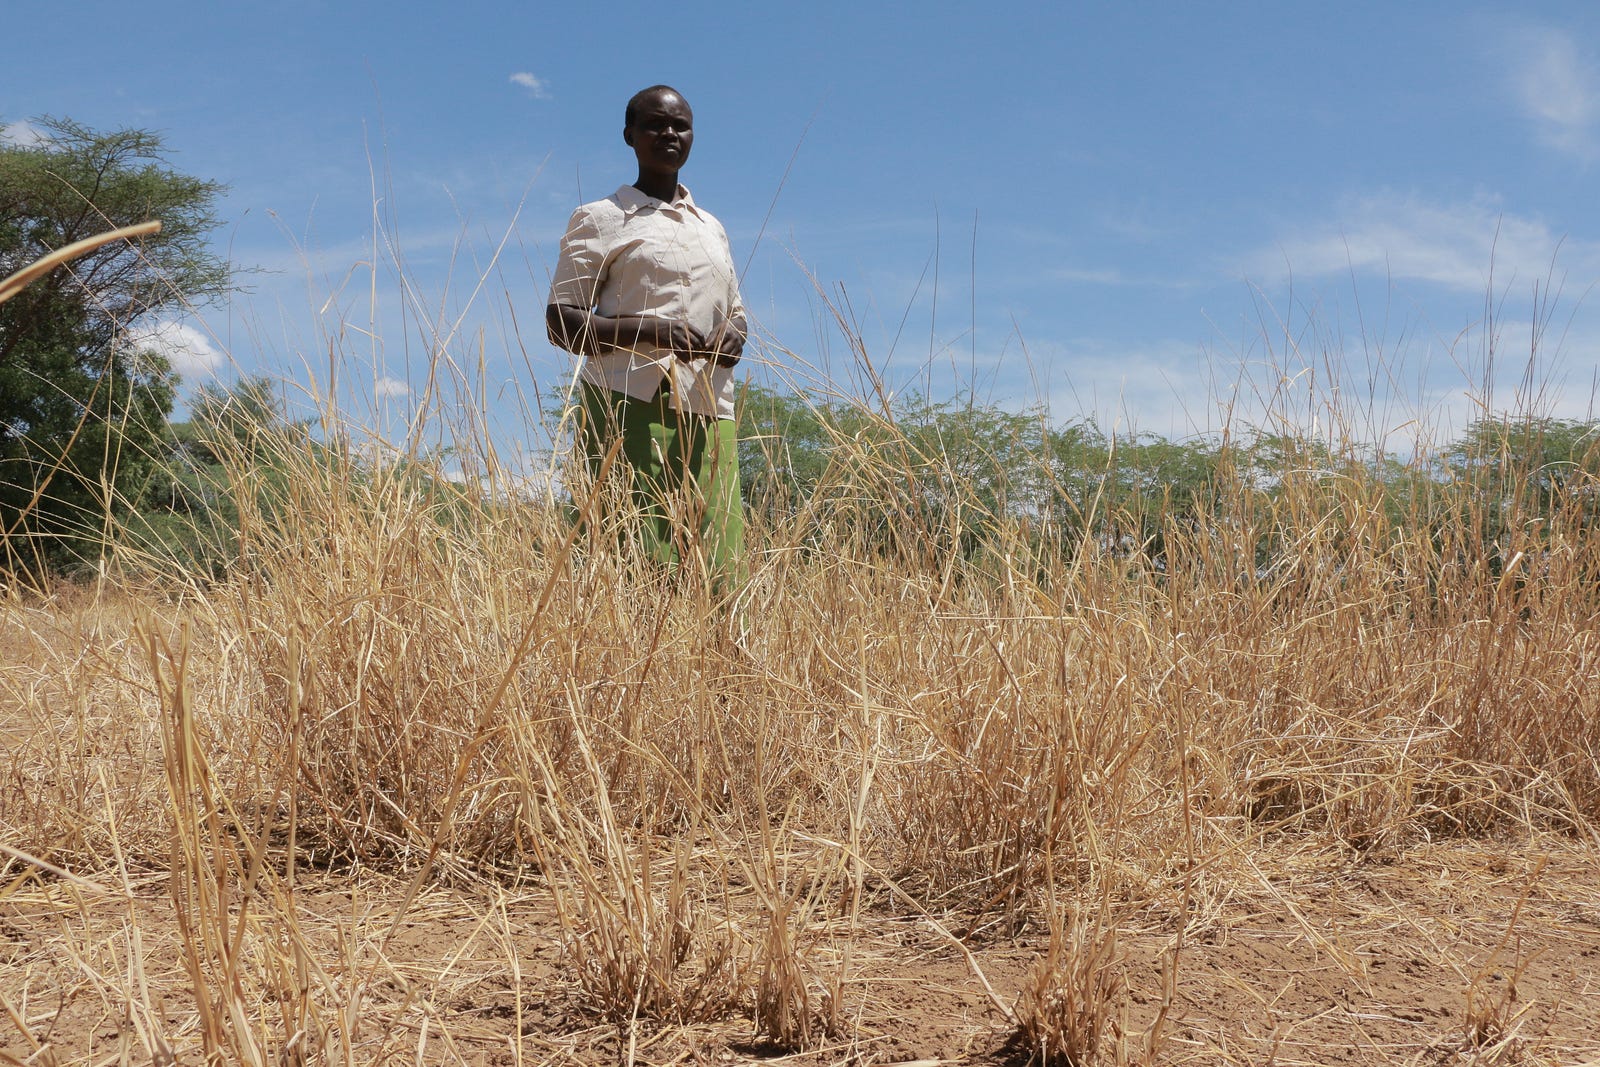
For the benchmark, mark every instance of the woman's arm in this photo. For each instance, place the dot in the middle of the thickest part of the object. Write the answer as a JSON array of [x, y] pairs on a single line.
[[588, 333]]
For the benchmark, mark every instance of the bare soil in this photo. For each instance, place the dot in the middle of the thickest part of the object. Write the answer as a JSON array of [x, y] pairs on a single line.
[[1329, 960]]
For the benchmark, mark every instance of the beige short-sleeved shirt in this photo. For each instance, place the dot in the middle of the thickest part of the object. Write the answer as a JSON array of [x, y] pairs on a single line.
[[631, 254]]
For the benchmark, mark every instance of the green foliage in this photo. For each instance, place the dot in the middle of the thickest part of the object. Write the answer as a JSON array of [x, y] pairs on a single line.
[[238, 440], [241, 421], [1526, 465], [928, 478], [237, 477], [82, 411], [1517, 477]]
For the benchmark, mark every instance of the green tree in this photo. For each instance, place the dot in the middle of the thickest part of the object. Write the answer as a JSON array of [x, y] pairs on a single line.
[[945, 476], [82, 409], [238, 441], [1518, 474]]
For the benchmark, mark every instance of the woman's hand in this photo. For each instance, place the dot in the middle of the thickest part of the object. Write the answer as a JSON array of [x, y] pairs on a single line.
[[682, 340], [727, 344]]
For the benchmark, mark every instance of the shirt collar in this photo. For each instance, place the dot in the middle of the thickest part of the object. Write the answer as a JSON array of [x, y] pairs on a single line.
[[632, 200]]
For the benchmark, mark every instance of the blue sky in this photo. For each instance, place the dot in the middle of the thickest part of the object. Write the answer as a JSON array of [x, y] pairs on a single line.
[[1140, 213]]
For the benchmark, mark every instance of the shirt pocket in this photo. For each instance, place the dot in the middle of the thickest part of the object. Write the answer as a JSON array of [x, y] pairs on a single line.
[[649, 273]]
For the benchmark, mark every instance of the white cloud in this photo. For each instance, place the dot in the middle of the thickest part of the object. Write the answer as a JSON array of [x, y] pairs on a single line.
[[23, 134], [522, 474], [537, 87], [1421, 391], [1518, 364], [1167, 387], [386, 388], [1457, 245], [188, 350], [1557, 87]]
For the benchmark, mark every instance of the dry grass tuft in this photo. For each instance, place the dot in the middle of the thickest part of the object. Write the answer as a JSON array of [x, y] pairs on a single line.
[[1071, 1004]]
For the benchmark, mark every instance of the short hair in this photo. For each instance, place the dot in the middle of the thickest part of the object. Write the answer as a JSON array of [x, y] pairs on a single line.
[[638, 99]]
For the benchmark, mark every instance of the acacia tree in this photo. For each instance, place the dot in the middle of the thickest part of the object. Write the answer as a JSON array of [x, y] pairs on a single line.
[[82, 407]]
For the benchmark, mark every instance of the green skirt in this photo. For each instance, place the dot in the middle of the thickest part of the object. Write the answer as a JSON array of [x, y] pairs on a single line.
[[676, 474]]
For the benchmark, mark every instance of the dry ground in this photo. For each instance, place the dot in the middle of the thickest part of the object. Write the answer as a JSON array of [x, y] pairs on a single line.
[[1420, 928], [1297, 950], [1327, 961]]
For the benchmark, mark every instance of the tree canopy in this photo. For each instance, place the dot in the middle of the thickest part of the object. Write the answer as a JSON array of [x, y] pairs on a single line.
[[82, 408], [939, 477]]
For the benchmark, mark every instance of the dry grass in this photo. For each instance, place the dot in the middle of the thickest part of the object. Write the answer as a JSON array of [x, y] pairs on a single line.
[[430, 778]]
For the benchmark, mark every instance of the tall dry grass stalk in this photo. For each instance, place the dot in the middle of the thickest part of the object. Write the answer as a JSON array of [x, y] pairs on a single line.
[[445, 681]]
